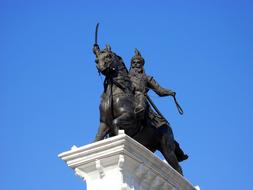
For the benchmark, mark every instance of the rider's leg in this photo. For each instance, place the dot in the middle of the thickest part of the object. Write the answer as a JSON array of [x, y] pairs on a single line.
[[141, 106]]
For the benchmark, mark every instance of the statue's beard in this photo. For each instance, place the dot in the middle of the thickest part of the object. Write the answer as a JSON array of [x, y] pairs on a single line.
[[137, 69]]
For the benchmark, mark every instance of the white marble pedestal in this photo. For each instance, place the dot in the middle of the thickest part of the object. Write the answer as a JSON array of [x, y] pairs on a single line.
[[121, 163]]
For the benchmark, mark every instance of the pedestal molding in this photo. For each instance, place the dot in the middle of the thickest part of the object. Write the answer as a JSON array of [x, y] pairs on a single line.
[[125, 163]]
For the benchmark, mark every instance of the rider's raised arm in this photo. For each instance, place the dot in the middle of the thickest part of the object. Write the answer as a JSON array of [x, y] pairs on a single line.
[[160, 91], [96, 49]]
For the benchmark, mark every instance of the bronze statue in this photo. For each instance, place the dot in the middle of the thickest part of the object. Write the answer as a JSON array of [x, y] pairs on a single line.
[[142, 83], [121, 108]]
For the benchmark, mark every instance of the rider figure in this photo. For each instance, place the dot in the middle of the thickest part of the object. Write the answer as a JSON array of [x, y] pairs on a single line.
[[142, 83]]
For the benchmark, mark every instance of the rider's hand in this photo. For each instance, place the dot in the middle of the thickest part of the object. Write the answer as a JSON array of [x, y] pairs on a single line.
[[173, 94], [95, 48]]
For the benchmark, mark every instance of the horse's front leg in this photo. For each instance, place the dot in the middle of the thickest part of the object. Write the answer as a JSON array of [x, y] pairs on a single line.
[[103, 130], [123, 121]]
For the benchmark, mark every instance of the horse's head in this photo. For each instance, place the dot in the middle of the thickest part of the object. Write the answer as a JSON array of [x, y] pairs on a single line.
[[106, 61]]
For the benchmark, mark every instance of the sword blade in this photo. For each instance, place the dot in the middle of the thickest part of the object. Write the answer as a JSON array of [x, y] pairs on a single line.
[[96, 33]]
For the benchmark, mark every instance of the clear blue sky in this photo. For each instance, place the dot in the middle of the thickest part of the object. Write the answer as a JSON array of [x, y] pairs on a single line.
[[50, 89]]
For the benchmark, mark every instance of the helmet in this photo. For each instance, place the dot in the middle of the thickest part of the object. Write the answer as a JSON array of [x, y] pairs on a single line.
[[137, 57]]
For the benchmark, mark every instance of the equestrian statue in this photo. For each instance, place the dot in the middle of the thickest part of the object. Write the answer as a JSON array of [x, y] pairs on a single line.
[[126, 106]]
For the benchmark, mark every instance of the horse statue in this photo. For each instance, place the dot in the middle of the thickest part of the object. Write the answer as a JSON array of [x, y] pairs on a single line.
[[117, 108]]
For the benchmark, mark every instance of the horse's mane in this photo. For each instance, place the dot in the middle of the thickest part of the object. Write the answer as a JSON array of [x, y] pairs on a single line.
[[122, 62]]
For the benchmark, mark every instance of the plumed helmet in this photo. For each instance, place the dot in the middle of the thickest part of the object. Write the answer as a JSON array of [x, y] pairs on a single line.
[[137, 56]]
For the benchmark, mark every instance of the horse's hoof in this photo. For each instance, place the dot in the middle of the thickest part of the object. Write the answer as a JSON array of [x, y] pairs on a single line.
[[182, 158]]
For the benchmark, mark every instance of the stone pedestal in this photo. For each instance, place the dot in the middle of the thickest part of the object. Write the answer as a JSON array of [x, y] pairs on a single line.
[[121, 163]]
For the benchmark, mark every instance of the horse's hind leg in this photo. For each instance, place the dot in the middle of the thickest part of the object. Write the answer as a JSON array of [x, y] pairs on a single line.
[[167, 149]]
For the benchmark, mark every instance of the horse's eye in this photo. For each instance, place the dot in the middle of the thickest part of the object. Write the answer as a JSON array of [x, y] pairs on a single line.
[[96, 60]]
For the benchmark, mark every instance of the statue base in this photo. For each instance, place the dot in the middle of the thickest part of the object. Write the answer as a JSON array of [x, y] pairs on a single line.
[[121, 163]]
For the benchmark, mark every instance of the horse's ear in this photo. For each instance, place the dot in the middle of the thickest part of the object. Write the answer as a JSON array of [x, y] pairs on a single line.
[[108, 47]]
